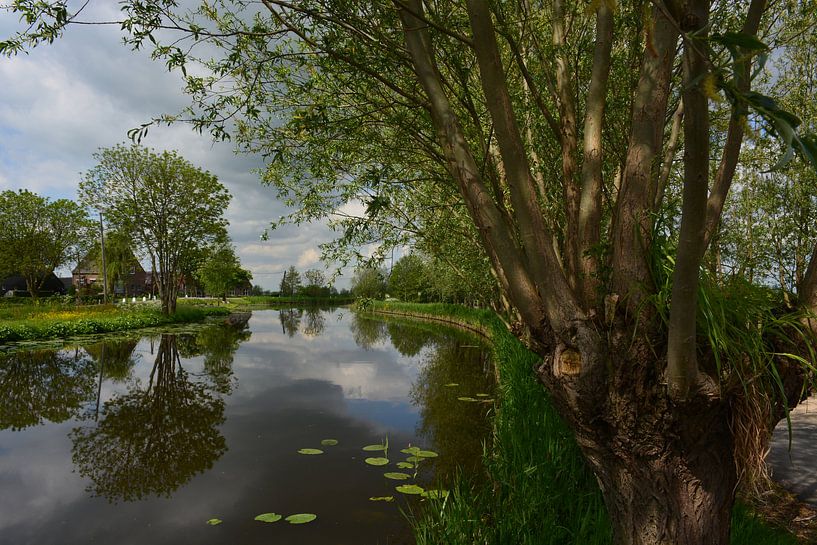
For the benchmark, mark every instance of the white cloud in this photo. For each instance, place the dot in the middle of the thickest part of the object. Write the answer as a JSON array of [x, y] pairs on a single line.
[[309, 257]]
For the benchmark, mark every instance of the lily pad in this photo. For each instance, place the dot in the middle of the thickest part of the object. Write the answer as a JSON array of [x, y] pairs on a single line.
[[483, 395], [310, 451], [301, 518], [405, 465], [329, 442], [374, 448], [410, 489], [435, 494], [414, 459], [465, 398], [268, 517], [397, 476], [214, 522], [381, 498], [376, 461], [411, 450], [427, 454], [451, 385]]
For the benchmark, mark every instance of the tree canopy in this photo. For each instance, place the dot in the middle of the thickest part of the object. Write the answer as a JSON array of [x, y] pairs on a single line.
[[586, 153], [38, 235], [171, 208]]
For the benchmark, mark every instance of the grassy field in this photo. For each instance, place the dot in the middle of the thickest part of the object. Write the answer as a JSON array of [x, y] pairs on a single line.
[[537, 489], [27, 322]]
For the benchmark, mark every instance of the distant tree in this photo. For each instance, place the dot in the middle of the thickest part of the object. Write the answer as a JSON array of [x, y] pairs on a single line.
[[315, 284], [120, 258], [369, 282], [409, 279], [258, 290], [38, 235], [171, 207], [291, 282], [221, 271]]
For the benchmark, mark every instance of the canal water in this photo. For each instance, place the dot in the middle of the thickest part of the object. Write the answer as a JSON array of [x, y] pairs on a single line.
[[144, 439]]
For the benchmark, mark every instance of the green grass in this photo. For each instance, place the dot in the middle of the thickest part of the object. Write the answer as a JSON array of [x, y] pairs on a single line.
[[536, 489], [59, 321]]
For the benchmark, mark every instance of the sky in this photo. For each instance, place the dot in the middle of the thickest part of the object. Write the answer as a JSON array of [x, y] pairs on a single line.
[[60, 103]]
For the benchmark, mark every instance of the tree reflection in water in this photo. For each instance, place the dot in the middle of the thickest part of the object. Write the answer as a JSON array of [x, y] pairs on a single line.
[[114, 358], [367, 331], [44, 385], [151, 440], [290, 320], [217, 343], [314, 322]]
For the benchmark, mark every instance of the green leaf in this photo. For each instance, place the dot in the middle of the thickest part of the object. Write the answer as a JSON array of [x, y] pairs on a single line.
[[373, 448], [739, 39], [465, 398], [405, 465], [483, 395], [397, 476], [310, 451], [451, 384], [376, 461], [410, 489], [214, 522], [329, 442], [301, 518], [411, 450], [427, 454], [268, 517], [414, 459], [381, 498]]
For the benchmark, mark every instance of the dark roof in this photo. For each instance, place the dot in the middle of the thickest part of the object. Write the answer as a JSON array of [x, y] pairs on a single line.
[[18, 283], [67, 282]]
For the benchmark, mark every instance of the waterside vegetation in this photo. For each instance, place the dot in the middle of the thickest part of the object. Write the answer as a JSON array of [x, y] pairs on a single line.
[[535, 474], [25, 322]]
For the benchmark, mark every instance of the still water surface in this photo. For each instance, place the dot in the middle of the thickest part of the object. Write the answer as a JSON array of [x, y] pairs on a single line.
[[141, 440]]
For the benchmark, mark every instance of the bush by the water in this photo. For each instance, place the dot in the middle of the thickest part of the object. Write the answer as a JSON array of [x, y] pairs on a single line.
[[54, 321]]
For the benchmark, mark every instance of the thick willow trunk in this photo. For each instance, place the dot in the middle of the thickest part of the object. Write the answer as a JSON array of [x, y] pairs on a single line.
[[666, 469]]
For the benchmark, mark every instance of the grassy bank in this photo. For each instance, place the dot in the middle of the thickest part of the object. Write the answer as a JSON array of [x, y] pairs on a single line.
[[38, 322], [537, 489]]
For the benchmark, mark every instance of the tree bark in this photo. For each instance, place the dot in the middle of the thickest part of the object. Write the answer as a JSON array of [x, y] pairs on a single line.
[[666, 469]]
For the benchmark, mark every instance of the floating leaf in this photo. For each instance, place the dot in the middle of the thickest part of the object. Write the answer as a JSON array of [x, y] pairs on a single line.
[[268, 517], [214, 522], [467, 399], [405, 465], [381, 498], [451, 385], [397, 476], [373, 448], [483, 395], [411, 450], [435, 494], [301, 518], [410, 489], [329, 442], [414, 459], [427, 454], [310, 451], [376, 461]]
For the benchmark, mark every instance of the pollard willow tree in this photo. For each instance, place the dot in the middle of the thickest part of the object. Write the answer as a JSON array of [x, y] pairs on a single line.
[[557, 127], [169, 207]]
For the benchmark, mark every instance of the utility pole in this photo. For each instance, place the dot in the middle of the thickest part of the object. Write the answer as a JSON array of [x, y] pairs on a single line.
[[104, 264]]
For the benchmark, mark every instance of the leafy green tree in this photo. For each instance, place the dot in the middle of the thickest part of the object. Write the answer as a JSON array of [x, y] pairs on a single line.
[[221, 271], [290, 282], [369, 282], [38, 235], [171, 208], [120, 258], [501, 110], [408, 280], [315, 285]]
